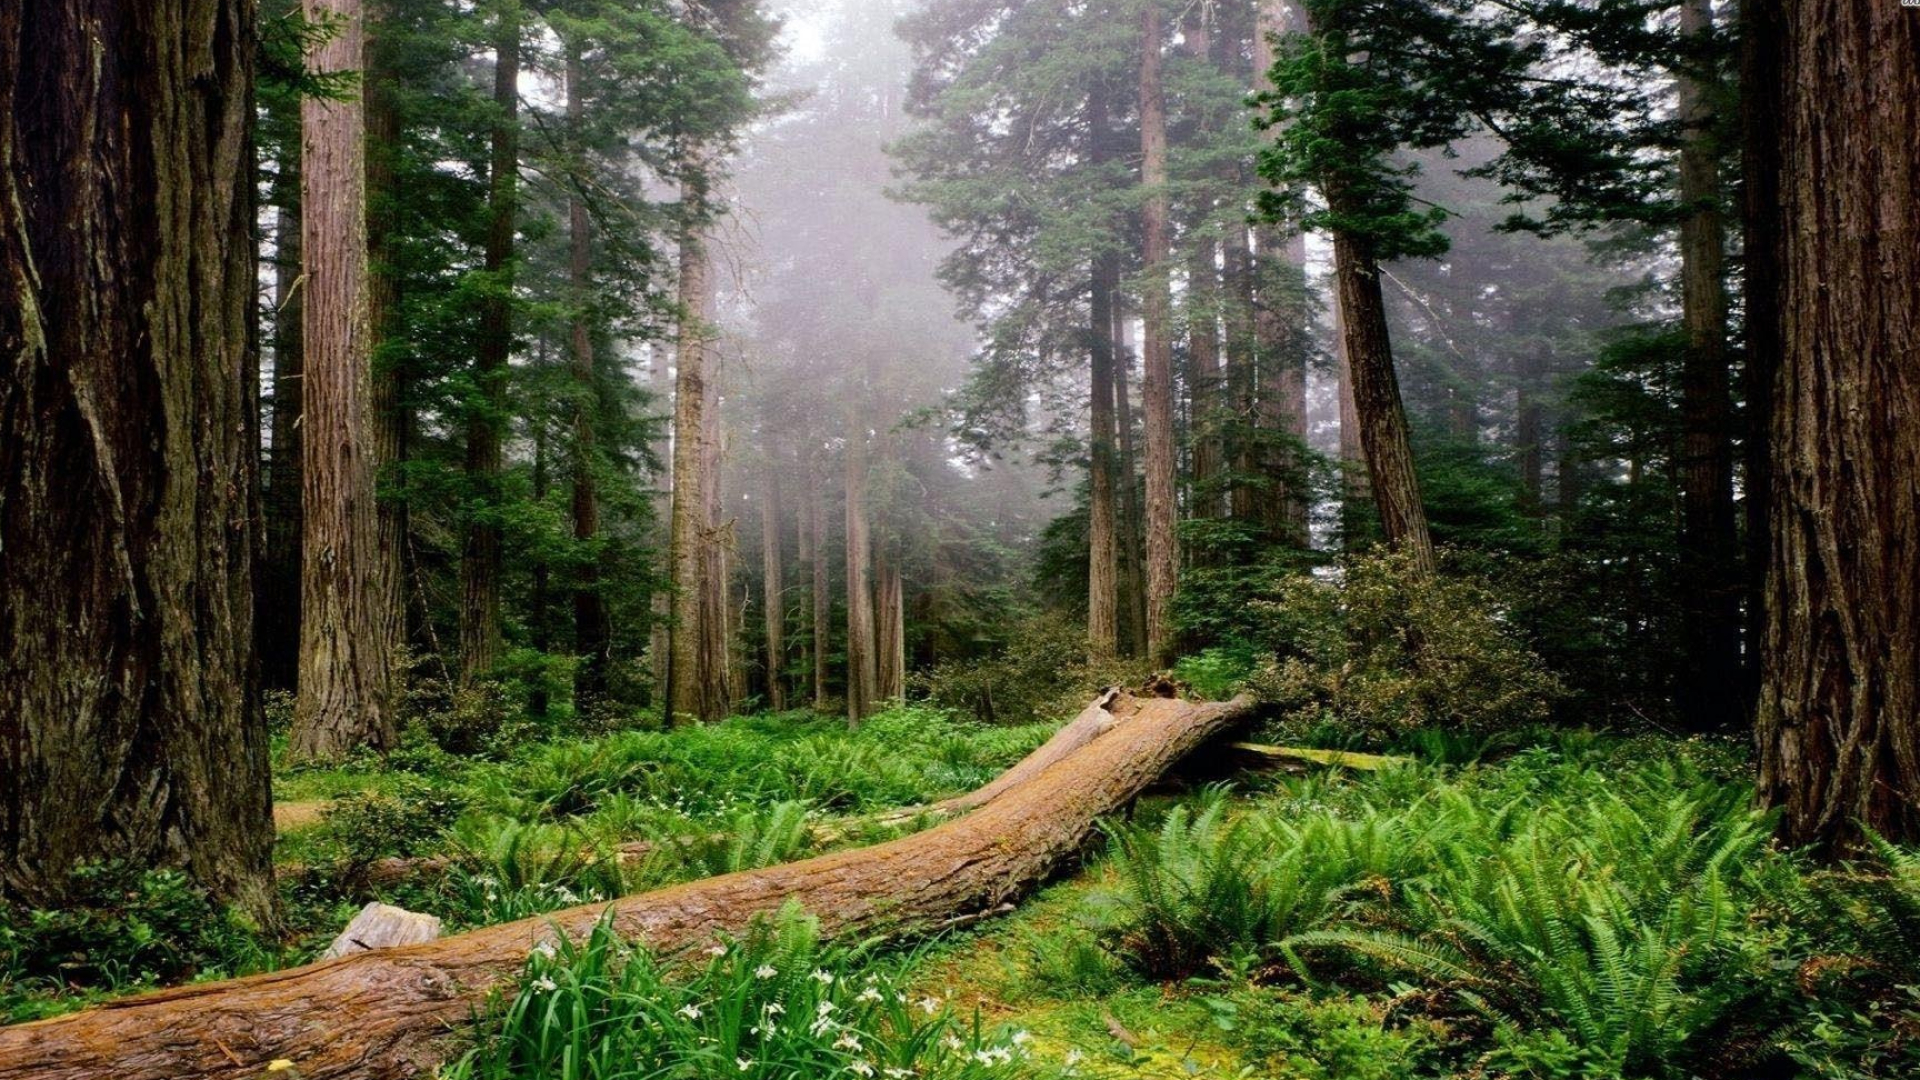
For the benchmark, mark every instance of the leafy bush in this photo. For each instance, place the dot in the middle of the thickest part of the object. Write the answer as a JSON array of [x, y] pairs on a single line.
[[1380, 648], [1040, 674], [775, 1004], [1333, 1038], [123, 927], [408, 819]]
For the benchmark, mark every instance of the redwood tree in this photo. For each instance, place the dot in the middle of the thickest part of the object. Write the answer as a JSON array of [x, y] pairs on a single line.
[[130, 725], [1156, 384], [344, 699], [1839, 716]]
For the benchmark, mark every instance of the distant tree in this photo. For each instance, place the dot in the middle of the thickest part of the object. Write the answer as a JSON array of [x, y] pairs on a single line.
[[345, 692], [1839, 718], [130, 723], [1156, 388], [487, 409]]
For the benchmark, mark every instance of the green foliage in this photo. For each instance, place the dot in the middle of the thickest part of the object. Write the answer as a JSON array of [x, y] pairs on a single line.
[[1040, 675], [774, 1004], [405, 819], [1380, 649], [1331, 1038], [122, 928]]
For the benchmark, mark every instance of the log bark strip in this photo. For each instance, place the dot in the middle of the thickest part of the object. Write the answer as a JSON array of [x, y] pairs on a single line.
[[382, 1014]]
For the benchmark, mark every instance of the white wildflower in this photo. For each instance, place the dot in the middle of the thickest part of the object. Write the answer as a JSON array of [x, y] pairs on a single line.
[[847, 1041], [545, 983], [869, 994], [765, 971], [744, 1063], [823, 976], [861, 1067], [689, 1010], [930, 1005]]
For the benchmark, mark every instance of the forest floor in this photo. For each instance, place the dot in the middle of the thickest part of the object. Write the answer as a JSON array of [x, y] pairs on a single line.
[[1553, 903]]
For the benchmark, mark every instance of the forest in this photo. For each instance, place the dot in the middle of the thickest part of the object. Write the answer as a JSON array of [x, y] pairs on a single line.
[[959, 539]]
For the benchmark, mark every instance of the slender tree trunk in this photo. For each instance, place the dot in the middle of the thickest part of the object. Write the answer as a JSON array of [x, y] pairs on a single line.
[[1132, 568], [687, 664], [1527, 426], [773, 574], [1156, 389], [718, 618], [1839, 717], [1710, 689], [660, 637], [392, 417], [346, 666], [540, 600], [130, 725], [278, 607], [1241, 380], [861, 674], [1103, 586], [1376, 398], [486, 417], [592, 635], [821, 610], [890, 628], [1203, 309]]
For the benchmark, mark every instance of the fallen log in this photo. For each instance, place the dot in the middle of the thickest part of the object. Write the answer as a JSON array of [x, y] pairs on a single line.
[[1337, 759], [387, 1013]]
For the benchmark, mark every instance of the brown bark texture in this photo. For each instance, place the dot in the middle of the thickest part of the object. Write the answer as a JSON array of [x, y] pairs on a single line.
[[1839, 716], [1103, 569], [277, 577], [486, 417], [344, 700], [688, 667], [1376, 399], [382, 1014], [820, 601], [1156, 383], [130, 723], [392, 418], [861, 674]]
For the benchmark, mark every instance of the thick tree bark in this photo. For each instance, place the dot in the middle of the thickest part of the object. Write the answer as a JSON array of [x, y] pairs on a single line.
[[592, 635], [1203, 313], [130, 724], [1354, 493], [1710, 689], [861, 674], [1376, 398], [774, 587], [381, 1014], [1156, 386], [690, 666], [719, 612], [346, 665], [1242, 382], [1839, 717], [486, 417]]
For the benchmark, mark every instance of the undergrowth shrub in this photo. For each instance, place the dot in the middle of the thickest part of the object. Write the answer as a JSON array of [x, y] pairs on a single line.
[[1040, 674], [123, 927], [1380, 649], [774, 1005], [406, 819]]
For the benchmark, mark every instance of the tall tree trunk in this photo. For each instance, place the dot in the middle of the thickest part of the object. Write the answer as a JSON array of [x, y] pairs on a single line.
[[346, 667], [1203, 308], [890, 627], [1241, 381], [688, 664], [660, 605], [773, 575], [820, 610], [1156, 388], [1132, 568], [592, 635], [1103, 585], [718, 618], [540, 598], [1354, 493], [1376, 397], [1839, 717], [861, 675], [130, 725], [486, 417], [1711, 687], [278, 576], [392, 417], [1528, 425]]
